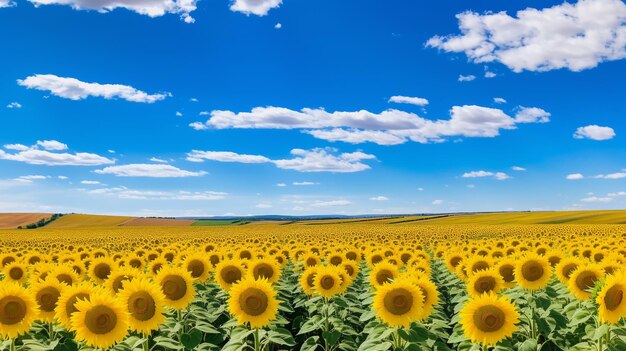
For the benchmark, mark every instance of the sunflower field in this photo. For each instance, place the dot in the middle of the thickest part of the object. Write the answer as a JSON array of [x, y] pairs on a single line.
[[332, 287]]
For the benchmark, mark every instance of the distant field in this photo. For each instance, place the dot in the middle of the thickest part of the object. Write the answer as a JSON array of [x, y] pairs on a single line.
[[87, 221], [218, 223], [150, 222], [566, 217], [14, 220]]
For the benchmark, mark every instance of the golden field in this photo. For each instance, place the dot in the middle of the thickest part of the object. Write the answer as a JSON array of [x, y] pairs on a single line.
[[512, 281]]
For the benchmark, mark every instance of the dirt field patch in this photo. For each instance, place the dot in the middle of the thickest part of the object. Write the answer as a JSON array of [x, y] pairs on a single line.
[[14, 220]]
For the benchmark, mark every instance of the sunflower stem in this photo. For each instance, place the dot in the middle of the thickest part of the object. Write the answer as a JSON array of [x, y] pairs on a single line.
[[12, 346], [257, 342], [145, 342]]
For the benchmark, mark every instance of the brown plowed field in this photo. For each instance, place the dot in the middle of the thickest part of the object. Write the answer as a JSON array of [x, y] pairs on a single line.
[[14, 220]]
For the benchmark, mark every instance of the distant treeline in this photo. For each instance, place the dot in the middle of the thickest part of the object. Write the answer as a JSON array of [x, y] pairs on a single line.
[[42, 222]]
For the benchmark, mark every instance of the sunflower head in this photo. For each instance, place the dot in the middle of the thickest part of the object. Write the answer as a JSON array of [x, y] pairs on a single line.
[[198, 266], [430, 294], [145, 304], [399, 303], [533, 272], [18, 310], [584, 279], [118, 278], [610, 299], [100, 269], [327, 281], [253, 302], [566, 267], [506, 269], [485, 281], [264, 269], [66, 305], [177, 286], [383, 273], [488, 319], [47, 294], [100, 321], [307, 280], [15, 272]]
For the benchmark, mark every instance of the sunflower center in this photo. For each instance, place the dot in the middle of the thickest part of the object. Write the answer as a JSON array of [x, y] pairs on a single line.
[[100, 320], [484, 284], [586, 280], [156, 267], [102, 270], [349, 270], [614, 297], [263, 270], [383, 276], [118, 282], [568, 269], [16, 273], [489, 318], [311, 261], [141, 306], [311, 280], [12, 310], [196, 268], [327, 282], [253, 301], [532, 271], [506, 271], [335, 260], [231, 274], [47, 298], [351, 256], [455, 261], [398, 301], [65, 278], [69, 306], [479, 266], [174, 287]]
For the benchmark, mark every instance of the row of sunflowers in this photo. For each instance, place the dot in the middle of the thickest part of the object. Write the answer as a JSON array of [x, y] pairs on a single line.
[[498, 288]]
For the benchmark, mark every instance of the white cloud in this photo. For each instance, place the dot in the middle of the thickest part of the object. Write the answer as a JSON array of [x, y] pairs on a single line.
[[398, 99], [617, 175], [62, 177], [90, 182], [314, 160], [568, 36], [111, 151], [483, 174], [437, 202], [468, 78], [518, 169], [304, 183], [159, 160], [149, 170], [597, 199], [331, 203], [471, 186], [17, 147], [123, 192], [74, 89], [6, 3], [379, 198], [420, 189], [616, 194], [193, 99], [151, 8], [594, 132], [225, 156], [35, 156], [278, 26], [574, 176], [532, 115], [389, 127], [13, 104], [281, 185], [30, 178], [52, 145], [263, 205], [499, 100], [254, 7], [179, 114], [489, 74]]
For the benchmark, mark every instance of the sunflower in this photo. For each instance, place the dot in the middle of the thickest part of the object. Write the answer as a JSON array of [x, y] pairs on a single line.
[[488, 319], [145, 303], [47, 295], [310, 260], [399, 303], [566, 267], [155, 266], [478, 263], [382, 273], [228, 272], [506, 269], [15, 272], [198, 266], [327, 281], [177, 286], [612, 306], [118, 278], [430, 294], [100, 321], [307, 280], [18, 310], [485, 281], [583, 279], [65, 275], [66, 305], [254, 302], [100, 269], [533, 272], [351, 268], [264, 268]]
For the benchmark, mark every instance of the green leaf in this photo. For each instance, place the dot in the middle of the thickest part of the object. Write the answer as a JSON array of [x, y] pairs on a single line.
[[331, 336], [192, 339], [314, 323], [528, 345], [281, 336], [310, 344]]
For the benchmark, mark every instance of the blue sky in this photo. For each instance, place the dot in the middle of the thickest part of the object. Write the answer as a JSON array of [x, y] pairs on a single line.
[[195, 107]]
